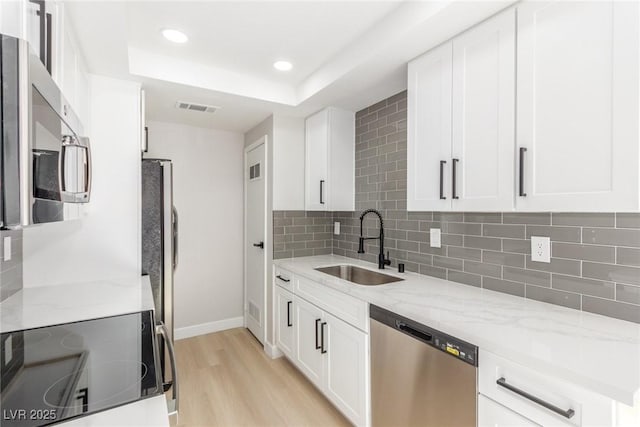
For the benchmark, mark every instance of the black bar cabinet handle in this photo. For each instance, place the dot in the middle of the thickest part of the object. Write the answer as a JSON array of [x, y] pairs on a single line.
[[322, 191], [453, 178], [442, 163], [282, 278], [289, 324], [323, 349], [49, 41], [317, 345], [502, 382], [521, 190]]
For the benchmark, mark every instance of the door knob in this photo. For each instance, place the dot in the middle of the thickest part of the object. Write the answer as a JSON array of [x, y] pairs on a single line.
[[259, 245]]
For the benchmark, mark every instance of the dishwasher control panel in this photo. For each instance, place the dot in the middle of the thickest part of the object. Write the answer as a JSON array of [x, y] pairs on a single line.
[[455, 347]]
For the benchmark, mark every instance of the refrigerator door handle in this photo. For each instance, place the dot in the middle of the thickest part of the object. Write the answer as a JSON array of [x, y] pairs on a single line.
[[173, 404], [175, 238]]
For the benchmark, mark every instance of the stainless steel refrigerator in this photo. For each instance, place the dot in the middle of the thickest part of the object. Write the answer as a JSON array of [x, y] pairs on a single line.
[[160, 245]]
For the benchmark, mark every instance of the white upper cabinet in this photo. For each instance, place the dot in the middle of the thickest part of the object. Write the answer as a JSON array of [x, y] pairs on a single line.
[[429, 131], [330, 161], [11, 18], [288, 163], [578, 106], [547, 123], [461, 121], [484, 116]]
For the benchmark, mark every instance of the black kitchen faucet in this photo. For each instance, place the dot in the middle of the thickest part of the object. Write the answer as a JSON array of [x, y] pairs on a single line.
[[382, 261]]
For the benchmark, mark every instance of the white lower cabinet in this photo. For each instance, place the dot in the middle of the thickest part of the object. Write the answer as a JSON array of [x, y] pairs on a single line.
[[309, 359], [285, 336], [539, 398], [331, 352], [347, 361], [492, 414]]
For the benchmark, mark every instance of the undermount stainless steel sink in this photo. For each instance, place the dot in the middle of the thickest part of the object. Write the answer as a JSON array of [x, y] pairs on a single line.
[[358, 275]]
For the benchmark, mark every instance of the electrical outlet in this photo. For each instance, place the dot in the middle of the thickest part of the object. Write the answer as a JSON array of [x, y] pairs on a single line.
[[434, 238], [540, 249], [7, 248], [336, 228]]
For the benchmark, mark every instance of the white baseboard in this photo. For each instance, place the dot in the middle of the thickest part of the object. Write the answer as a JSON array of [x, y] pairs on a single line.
[[272, 351], [208, 328]]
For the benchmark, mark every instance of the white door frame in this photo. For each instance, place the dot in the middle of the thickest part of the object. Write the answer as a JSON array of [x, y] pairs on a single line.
[[245, 307]]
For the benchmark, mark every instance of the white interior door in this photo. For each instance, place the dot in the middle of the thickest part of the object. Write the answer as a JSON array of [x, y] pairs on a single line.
[[255, 174]]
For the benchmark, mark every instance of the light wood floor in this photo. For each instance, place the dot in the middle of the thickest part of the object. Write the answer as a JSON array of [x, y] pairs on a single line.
[[226, 379]]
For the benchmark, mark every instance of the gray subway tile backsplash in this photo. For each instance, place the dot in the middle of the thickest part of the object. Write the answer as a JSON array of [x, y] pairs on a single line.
[[611, 236], [628, 220], [581, 285], [552, 296], [539, 278], [628, 256], [614, 273], [628, 293], [584, 252], [611, 308], [584, 219], [595, 256], [505, 286], [300, 233]]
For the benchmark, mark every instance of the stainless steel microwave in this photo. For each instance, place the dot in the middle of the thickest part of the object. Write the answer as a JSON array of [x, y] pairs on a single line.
[[46, 160]]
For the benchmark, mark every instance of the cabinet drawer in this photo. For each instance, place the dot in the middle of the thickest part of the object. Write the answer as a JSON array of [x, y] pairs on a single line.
[[343, 306], [283, 278], [526, 392]]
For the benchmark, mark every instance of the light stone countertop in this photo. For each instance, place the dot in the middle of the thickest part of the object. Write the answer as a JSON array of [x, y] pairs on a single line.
[[595, 352], [74, 302], [151, 412]]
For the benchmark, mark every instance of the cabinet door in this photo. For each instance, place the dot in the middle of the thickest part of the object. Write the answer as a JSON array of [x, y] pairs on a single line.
[[347, 378], [484, 116], [577, 105], [307, 340], [492, 414], [316, 161], [429, 131], [342, 147], [11, 13], [284, 322]]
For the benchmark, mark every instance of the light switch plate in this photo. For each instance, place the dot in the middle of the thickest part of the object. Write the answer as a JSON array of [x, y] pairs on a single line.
[[336, 228], [7, 248], [540, 249], [434, 238]]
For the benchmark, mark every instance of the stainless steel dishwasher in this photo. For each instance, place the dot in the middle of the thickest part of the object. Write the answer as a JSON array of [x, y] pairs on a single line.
[[420, 376]]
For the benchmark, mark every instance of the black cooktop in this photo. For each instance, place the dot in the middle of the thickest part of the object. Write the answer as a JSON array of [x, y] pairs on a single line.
[[56, 373]]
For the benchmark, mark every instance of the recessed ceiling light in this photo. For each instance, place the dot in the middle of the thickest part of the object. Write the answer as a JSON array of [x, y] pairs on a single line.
[[175, 36], [282, 65]]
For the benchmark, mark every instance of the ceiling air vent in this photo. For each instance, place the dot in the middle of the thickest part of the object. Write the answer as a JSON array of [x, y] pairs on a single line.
[[196, 107]]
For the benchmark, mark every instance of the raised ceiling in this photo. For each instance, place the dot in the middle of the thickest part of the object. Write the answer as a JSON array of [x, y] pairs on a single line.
[[345, 53]]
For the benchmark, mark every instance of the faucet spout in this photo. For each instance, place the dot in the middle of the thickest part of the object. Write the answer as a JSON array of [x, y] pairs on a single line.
[[382, 261]]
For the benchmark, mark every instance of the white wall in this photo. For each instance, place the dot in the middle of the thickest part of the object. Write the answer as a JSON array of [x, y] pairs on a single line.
[[105, 243], [208, 194]]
